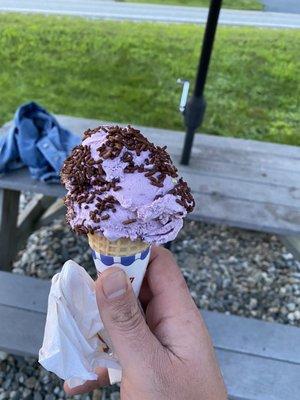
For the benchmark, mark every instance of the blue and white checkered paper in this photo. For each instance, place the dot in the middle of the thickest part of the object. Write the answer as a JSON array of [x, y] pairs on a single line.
[[135, 267]]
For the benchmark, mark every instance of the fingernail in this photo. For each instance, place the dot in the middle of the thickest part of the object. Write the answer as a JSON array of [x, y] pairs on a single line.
[[114, 284]]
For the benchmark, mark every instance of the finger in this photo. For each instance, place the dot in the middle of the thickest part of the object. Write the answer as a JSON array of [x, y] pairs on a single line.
[[161, 267], [165, 279], [88, 386], [171, 308], [131, 337]]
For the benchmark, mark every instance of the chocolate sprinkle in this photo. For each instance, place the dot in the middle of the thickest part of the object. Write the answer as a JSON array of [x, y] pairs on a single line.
[[129, 221]]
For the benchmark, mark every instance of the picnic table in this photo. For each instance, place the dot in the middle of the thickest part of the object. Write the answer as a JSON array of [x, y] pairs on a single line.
[[241, 183]]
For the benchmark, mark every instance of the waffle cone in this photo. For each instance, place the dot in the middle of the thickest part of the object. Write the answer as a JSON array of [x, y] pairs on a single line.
[[120, 247]]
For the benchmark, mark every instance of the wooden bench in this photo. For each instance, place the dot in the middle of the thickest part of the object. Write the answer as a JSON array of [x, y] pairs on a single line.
[[240, 183], [257, 360]]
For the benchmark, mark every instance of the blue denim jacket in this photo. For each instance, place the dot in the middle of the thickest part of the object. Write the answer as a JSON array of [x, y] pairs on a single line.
[[37, 141]]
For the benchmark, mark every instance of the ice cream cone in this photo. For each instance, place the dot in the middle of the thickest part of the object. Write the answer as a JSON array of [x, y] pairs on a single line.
[[132, 257], [121, 247]]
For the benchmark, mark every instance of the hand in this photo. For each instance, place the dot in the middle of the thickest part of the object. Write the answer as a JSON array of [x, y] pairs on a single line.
[[168, 356]]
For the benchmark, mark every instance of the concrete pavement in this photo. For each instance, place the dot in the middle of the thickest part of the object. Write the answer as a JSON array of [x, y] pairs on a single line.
[[289, 6], [149, 12]]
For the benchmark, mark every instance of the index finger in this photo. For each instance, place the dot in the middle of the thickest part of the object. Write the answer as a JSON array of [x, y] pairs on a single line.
[[89, 386], [165, 278]]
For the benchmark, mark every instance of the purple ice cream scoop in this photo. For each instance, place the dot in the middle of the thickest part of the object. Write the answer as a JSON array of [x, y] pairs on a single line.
[[122, 186]]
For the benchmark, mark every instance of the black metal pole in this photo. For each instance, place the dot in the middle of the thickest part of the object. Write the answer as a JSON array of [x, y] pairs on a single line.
[[195, 108]]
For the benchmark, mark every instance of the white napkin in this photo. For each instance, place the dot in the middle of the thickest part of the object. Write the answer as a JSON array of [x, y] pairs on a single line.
[[71, 347]]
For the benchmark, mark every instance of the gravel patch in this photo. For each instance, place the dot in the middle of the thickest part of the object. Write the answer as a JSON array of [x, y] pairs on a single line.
[[227, 270], [24, 378], [240, 272], [48, 248]]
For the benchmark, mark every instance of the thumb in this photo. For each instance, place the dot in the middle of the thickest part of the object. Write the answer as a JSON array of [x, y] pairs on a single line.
[[122, 318]]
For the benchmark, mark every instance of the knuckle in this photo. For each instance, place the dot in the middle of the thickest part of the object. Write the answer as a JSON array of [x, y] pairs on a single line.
[[126, 316], [166, 252]]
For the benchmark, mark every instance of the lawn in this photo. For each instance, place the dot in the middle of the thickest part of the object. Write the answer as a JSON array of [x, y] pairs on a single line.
[[127, 72], [235, 4]]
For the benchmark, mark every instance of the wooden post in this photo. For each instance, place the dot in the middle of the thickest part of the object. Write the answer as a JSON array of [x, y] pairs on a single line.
[[29, 217], [9, 209], [55, 210]]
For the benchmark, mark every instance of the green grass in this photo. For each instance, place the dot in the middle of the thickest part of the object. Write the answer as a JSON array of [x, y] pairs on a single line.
[[235, 4], [127, 72]]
